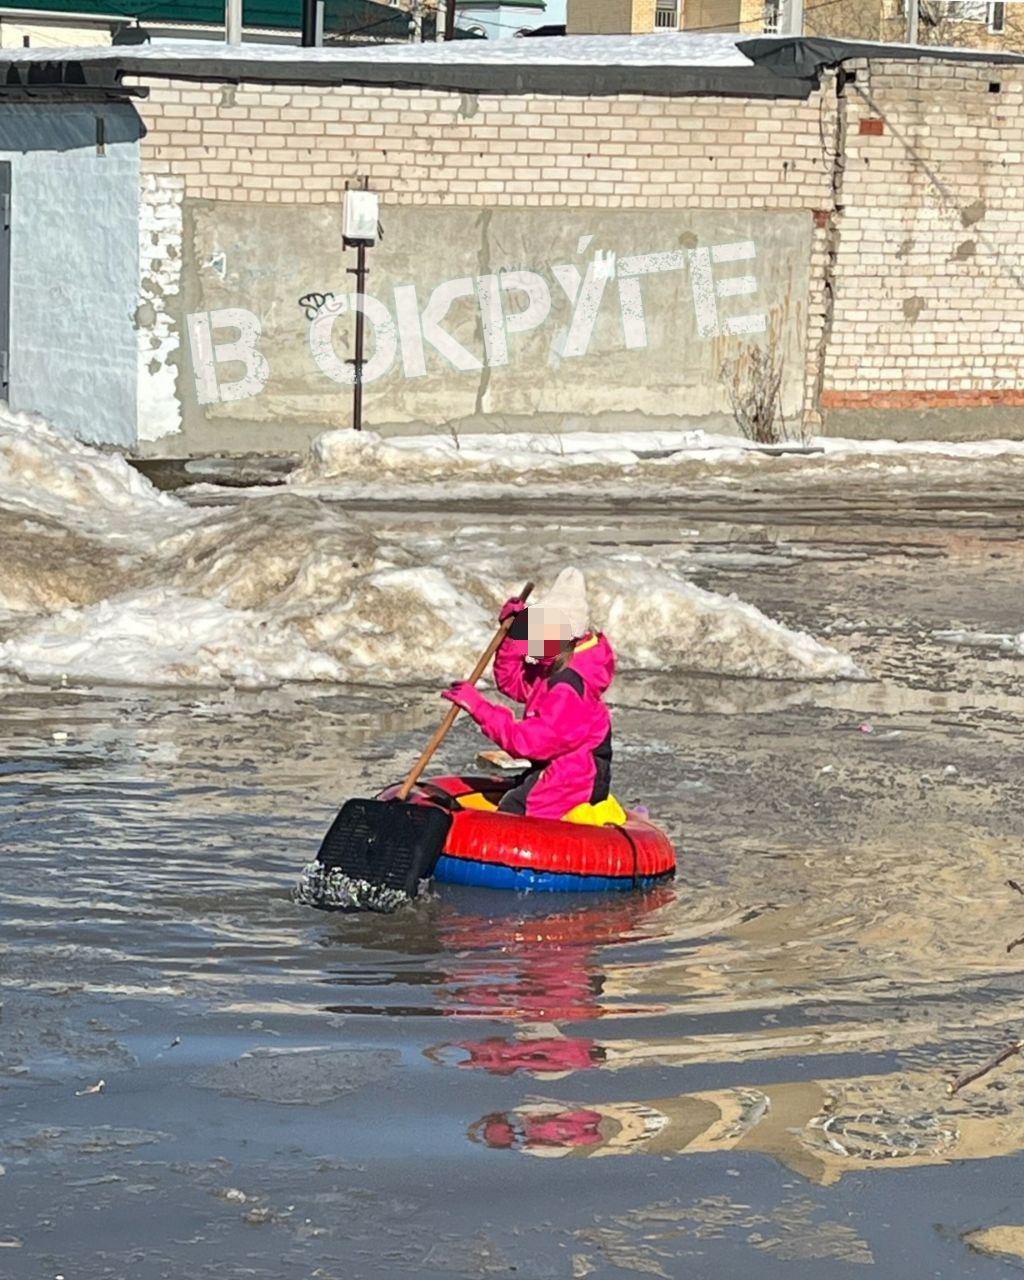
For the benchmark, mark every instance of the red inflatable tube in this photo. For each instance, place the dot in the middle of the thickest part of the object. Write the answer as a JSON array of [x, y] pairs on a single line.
[[502, 850]]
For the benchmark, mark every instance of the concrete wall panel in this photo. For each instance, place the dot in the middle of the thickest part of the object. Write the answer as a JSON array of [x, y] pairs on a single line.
[[632, 315]]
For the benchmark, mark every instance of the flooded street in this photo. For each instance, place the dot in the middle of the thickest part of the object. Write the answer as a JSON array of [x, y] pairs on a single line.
[[767, 1041]]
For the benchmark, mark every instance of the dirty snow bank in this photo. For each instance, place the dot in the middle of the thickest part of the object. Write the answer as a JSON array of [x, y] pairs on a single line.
[[48, 472], [350, 455], [163, 638], [353, 464], [283, 587], [661, 622]]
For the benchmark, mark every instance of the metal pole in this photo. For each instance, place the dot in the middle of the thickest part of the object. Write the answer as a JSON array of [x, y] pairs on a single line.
[[357, 387], [912, 21], [796, 18], [417, 21], [308, 23], [233, 21], [360, 273], [449, 20]]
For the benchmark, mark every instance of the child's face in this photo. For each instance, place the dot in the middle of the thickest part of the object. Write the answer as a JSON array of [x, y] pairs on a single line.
[[545, 636]]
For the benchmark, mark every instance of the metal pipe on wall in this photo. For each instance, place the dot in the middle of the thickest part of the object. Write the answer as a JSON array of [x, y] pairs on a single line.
[[312, 22], [233, 21]]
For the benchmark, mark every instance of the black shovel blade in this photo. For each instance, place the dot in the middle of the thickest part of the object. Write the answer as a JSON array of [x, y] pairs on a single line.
[[386, 843]]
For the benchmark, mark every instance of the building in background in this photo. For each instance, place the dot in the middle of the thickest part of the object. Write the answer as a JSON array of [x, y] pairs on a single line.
[[576, 232], [640, 17], [967, 24], [498, 19], [58, 24], [964, 24]]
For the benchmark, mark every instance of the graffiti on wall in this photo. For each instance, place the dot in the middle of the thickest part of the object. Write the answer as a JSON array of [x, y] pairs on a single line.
[[408, 329]]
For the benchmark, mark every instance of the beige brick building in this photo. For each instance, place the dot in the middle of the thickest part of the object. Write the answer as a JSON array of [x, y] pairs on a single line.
[[640, 17], [970, 24], [554, 257]]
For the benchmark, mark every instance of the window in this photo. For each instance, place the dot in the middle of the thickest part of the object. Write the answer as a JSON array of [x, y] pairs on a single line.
[[997, 17], [770, 24], [666, 15]]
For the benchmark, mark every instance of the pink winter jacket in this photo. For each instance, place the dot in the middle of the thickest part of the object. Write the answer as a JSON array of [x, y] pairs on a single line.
[[565, 728]]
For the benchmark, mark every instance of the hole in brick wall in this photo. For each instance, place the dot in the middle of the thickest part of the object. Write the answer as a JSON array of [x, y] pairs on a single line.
[[994, 86], [851, 77]]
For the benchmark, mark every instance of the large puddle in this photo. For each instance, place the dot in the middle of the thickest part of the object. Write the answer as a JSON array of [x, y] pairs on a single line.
[[768, 1041]]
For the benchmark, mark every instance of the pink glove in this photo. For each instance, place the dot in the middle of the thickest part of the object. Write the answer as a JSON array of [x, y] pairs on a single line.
[[464, 695], [511, 608]]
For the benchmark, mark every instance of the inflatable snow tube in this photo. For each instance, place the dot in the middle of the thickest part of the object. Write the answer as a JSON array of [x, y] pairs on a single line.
[[495, 850]]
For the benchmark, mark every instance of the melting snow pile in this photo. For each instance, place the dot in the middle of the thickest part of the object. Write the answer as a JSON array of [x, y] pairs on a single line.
[[161, 637], [115, 582], [47, 472], [349, 464], [661, 622], [365, 456]]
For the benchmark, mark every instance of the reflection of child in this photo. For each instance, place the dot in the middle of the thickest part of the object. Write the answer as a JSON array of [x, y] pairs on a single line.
[[553, 663], [553, 1055], [545, 1133]]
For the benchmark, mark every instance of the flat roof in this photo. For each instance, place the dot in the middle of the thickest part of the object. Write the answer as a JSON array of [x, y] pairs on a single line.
[[665, 63]]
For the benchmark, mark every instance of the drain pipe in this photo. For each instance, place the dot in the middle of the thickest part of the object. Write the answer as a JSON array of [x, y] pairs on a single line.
[[233, 21], [312, 23]]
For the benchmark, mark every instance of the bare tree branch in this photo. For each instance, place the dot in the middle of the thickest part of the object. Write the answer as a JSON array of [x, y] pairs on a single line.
[[1010, 1051]]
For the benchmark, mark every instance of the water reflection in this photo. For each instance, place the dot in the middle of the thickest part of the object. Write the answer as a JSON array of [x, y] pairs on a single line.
[[541, 967], [820, 1129]]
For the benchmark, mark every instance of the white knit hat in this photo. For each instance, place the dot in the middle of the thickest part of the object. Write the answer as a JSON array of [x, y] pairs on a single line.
[[566, 603]]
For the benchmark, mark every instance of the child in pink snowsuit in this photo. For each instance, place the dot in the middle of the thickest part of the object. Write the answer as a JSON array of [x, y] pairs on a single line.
[[553, 663]]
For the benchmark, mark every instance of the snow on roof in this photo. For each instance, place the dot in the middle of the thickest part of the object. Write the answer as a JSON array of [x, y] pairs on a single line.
[[663, 49], [670, 64]]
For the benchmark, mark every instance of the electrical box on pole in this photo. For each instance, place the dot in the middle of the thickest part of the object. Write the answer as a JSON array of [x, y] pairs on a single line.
[[362, 214]]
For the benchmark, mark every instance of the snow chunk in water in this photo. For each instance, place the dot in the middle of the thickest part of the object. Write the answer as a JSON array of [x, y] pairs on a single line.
[[162, 638]]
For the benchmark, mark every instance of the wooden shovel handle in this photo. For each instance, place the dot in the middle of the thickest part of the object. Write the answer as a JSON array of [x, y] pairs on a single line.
[[446, 724]]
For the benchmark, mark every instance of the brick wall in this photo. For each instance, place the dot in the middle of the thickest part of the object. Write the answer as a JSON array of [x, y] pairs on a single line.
[[642, 18], [285, 146], [912, 174], [608, 17], [930, 306], [711, 15], [599, 17], [965, 35]]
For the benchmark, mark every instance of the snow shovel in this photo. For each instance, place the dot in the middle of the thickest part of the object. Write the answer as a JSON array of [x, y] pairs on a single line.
[[377, 851]]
